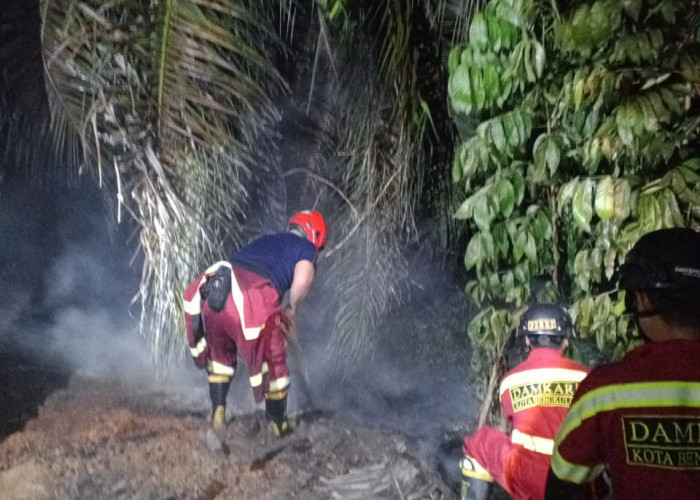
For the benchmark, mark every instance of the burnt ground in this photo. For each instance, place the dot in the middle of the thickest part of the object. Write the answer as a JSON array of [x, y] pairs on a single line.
[[95, 439]]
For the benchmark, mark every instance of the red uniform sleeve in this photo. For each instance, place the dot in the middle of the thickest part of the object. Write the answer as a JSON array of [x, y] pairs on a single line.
[[193, 322], [578, 447]]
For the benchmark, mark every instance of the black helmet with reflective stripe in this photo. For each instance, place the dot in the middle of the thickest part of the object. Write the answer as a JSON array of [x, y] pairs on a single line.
[[547, 322], [663, 259]]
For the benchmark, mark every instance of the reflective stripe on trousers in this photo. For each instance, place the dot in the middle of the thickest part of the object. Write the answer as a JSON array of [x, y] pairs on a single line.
[[533, 443]]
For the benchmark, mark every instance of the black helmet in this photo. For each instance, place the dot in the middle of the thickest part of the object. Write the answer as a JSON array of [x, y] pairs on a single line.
[[550, 322], [663, 259]]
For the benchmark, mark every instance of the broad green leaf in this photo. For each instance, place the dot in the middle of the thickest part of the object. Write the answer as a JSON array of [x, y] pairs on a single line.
[[518, 181], [454, 58], [531, 248], [519, 244], [609, 262], [521, 125], [584, 318], [510, 129], [460, 90], [632, 8], [498, 135], [672, 213], [539, 58], [624, 127], [582, 205], [578, 93], [494, 30], [552, 155], [483, 212], [477, 82], [491, 84], [470, 164], [566, 193], [478, 31], [605, 198], [661, 112], [506, 197], [475, 254], [623, 196], [466, 209], [692, 163], [650, 121]]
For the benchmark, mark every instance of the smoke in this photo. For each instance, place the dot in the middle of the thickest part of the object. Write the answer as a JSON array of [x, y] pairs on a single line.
[[69, 302]]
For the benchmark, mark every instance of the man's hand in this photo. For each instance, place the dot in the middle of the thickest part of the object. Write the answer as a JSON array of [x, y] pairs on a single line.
[[288, 323]]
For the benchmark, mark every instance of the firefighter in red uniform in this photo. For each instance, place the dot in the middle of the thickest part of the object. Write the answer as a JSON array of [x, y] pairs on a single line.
[[640, 417], [235, 307], [535, 396]]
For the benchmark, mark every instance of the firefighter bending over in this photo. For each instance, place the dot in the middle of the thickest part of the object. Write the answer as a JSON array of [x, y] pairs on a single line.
[[535, 396], [235, 307], [640, 417]]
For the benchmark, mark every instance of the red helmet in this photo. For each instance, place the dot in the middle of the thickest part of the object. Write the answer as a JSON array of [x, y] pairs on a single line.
[[313, 225]]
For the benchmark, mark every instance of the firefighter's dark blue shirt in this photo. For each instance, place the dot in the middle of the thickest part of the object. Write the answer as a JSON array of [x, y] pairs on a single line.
[[274, 257]]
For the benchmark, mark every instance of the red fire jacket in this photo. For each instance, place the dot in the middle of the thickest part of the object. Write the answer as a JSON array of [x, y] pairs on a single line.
[[249, 323], [535, 397], [640, 418]]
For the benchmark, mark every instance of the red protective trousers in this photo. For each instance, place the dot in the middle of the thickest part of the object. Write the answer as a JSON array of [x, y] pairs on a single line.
[[259, 340], [520, 471]]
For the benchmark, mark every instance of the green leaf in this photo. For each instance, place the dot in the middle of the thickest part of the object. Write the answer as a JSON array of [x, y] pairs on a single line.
[[475, 252], [650, 122], [552, 156], [478, 31], [511, 130], [491, 84], [624, 126], [454, 58], [539, 57], [584, 318], [531, 248], [582, 205], [566, 193], [661, 112], [605, 198], [460, 90], [518, 181], [498, 135], [519, 244], [632, 8], [578, 93], [506, 197], [521, 125], [466, 209], [494, 29], [623, 196], [477, 82], [483, 212]]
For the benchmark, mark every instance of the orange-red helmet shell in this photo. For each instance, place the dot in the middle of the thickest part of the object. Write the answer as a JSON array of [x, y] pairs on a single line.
[[313, 225]]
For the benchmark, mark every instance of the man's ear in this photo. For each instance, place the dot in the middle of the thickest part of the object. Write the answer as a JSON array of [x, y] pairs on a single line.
[[642, 302]]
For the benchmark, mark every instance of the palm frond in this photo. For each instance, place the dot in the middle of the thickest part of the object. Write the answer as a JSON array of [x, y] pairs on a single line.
[[170, 100]]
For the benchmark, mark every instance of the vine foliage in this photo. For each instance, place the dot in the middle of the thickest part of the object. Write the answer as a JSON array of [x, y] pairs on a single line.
[[585, 138]]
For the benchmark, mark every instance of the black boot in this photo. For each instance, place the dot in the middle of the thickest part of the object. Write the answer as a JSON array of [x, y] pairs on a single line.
[[477, 483], [218, 390], [276, 413]]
